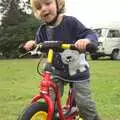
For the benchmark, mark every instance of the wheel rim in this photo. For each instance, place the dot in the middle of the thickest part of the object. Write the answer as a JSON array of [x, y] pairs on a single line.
[[116, 55], [41, 115]]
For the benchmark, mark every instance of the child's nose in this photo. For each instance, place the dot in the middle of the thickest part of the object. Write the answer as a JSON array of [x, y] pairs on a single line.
[[44, 7]]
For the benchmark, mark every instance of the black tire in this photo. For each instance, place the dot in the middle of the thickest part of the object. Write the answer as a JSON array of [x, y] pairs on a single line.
[[115, 55], [31, 112], [94, 56]]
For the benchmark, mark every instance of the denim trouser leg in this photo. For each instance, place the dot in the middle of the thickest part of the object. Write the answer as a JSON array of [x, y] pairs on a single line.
[[84, 101]]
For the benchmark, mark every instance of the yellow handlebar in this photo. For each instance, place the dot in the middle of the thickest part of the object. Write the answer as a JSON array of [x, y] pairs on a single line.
[[50, 52], [50, 56], [66, 46]]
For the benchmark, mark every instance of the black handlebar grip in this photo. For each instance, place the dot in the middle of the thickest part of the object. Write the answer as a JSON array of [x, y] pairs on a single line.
[[21, 48], [55, 45], [91, 47]]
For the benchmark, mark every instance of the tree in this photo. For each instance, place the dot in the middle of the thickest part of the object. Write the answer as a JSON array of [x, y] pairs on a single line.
[[12, 14], [17, 27]]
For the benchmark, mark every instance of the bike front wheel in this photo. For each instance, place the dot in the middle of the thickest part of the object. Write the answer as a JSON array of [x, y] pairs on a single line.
[[35, 111]]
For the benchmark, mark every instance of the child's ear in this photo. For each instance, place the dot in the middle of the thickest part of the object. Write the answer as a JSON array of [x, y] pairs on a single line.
[[36, 15]]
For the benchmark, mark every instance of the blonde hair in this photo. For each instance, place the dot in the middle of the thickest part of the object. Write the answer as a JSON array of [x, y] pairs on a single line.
[[60, 6]]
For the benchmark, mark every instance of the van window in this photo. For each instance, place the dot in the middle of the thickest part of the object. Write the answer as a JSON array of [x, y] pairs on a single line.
[[113, 33], [98, 32]]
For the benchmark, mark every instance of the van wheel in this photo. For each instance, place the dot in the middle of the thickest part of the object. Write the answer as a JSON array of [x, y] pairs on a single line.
[[115, 55], [94, 57]]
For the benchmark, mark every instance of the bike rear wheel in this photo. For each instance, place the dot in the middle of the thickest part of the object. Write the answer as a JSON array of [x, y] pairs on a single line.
[[36, 111]]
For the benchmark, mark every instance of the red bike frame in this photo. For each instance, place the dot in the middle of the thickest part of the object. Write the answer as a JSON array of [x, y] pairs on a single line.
[[45, 84]]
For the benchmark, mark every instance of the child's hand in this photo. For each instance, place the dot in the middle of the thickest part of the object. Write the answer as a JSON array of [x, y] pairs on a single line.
[[82, 43], [29, 45]]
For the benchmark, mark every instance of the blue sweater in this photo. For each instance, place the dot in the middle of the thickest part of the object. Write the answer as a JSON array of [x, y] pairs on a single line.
[[69, 31]]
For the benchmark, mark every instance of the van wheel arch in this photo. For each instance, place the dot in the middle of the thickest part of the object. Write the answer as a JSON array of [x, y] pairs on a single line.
[[115, 54]]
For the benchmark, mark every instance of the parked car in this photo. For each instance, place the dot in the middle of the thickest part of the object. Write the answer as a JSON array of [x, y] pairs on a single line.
[[109, 41]]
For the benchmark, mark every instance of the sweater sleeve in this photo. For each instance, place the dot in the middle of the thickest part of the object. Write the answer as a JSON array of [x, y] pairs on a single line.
[[38, 36], [41, 34], [82, 32]]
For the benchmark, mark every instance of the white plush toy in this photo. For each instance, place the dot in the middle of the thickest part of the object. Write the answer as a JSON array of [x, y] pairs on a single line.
[[74, 60]]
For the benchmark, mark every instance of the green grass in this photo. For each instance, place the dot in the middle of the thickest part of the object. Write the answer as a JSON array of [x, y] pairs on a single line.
[[106, 88], [19, 82]]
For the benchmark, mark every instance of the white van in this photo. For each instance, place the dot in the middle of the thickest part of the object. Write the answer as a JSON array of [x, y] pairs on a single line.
[[109, 41]]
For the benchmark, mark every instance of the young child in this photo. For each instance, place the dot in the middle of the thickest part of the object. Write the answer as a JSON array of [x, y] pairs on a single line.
[[59, 27]]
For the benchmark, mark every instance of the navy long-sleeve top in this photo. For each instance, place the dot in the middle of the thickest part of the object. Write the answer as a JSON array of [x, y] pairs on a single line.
[[69, 30]]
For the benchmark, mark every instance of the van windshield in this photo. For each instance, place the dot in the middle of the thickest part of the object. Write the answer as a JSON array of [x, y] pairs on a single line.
[[98, 32]]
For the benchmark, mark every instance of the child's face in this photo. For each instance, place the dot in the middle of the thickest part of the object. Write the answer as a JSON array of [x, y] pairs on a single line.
[[46, 10]]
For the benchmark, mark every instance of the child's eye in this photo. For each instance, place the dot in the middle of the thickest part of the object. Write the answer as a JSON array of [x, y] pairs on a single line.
[[38, 7], [48, 2]]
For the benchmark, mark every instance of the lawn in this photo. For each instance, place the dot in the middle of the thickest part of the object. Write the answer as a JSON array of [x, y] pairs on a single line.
[[19, 82]]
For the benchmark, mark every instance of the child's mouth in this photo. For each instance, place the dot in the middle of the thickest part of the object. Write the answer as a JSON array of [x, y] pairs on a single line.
[[46, 15]]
